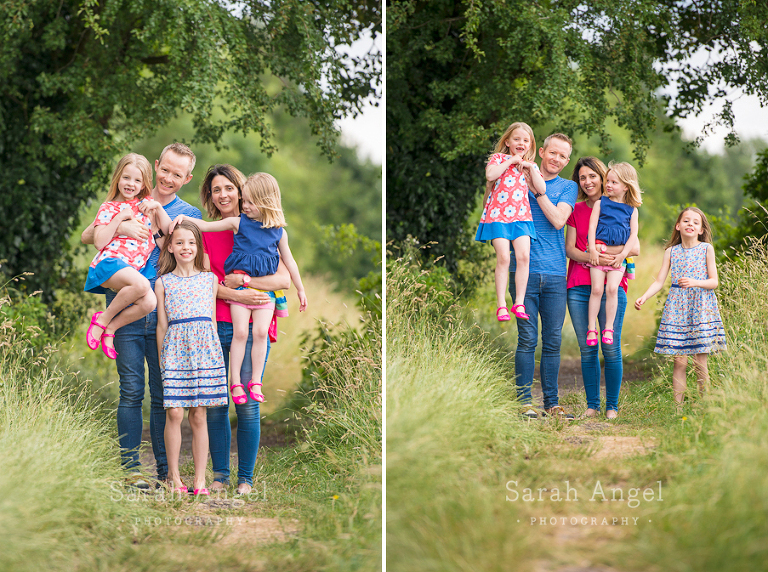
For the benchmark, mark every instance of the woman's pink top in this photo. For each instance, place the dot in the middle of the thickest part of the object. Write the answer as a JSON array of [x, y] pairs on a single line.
[[578, 275], [218, 246], [133, 252]]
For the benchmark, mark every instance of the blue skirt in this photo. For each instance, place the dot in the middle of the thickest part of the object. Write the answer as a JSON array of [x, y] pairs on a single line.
[[508, 230], [105, 269]]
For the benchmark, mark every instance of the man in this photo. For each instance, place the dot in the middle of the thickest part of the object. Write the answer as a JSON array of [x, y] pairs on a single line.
[[137, 341], [545, 295]]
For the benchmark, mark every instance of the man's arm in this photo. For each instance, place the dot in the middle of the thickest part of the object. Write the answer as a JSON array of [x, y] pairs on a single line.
[[132, 228], [558, 214]]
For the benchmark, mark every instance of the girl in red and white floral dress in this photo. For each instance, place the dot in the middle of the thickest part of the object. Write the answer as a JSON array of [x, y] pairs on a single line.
[[121, 264], [507, 214]]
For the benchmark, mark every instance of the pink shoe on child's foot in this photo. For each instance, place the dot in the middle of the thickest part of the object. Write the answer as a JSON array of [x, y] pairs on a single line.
[[505, 316], [606, 340], [238, 399], [520, 313], [255, 395], [593, 341]]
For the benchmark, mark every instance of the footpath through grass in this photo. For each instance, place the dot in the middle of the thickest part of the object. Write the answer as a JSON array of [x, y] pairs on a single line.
[[473, 486]]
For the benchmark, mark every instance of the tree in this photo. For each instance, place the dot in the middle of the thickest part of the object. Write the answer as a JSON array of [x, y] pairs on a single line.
[[81, 80], [459, 72]]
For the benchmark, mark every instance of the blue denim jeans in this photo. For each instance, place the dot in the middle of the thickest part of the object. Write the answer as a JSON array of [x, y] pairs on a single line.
[[248, 420], [545, 299], [135, 343], [578, 308]]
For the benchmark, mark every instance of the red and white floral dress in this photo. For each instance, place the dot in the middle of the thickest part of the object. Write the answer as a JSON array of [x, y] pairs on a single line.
[[122, 251], [507, 212]]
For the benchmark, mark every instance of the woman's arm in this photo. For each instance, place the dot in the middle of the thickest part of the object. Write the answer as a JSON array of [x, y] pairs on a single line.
[[162, 317], [633, 229], [280, 280], [711, 282], [103, 234], [287, 257], [657, 284]]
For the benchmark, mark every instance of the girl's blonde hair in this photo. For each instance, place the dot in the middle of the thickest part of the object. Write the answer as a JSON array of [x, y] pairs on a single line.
[[262, 190], [627, 175], [593, 164], [704, 236], [502, 147], [141, 163], [167, 261]]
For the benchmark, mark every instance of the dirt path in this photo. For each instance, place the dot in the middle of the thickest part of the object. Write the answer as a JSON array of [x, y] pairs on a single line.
[[570, 379]]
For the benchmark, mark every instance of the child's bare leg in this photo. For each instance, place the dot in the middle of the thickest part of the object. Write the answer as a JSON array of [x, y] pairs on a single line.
[[173, 418], [522, 246], [702, 371], [612, 300], [261, 321], [501, 274], [679, 382], [132, 288], [240, 318], [597, 278], [198, 422]]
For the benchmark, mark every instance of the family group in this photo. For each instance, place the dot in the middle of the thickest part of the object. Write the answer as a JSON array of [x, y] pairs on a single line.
[[197, 301], [526, 208]]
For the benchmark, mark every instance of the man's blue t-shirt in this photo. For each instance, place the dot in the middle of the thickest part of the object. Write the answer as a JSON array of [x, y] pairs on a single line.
[[548, 250]]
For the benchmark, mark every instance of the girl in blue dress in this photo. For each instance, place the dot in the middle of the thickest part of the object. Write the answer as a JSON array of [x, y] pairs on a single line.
[[191, 360], [260, 241], [614, 223], [691, 323]]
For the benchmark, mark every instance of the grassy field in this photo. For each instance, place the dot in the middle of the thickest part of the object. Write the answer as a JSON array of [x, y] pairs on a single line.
[[316, 504], [472, 486]]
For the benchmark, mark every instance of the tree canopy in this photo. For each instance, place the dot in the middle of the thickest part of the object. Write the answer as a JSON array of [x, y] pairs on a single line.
[[81, 80], [459, 72]]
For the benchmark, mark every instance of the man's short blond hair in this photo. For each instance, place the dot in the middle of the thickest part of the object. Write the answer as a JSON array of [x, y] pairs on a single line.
[[561, 136], [182, 150]]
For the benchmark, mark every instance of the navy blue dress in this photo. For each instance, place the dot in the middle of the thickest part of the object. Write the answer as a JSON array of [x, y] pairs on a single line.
[[613, 224], [255, 249]]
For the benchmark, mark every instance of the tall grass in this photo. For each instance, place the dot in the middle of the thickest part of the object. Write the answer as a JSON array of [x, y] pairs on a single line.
[[61, 483], [451, 423], [714, 517]]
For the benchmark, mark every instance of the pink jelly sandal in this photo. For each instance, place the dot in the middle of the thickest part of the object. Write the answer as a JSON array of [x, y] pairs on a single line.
[[202, 491], [606, 341], [255, 395], [592, 342], [520, 313], [504, 318], [238, 399], [93, 342], [109, 352]]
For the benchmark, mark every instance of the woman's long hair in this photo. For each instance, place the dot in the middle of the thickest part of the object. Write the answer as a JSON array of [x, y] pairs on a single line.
[[594, 164], [233, 175], [167, 262]]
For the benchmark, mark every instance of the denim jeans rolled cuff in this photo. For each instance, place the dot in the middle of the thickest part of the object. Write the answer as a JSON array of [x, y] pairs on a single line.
[[136, 343], [578, 308], [545, 298], [248, 420]]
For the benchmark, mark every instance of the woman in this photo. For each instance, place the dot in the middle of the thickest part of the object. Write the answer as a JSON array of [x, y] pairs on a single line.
[[589, 174], [221, 196]]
